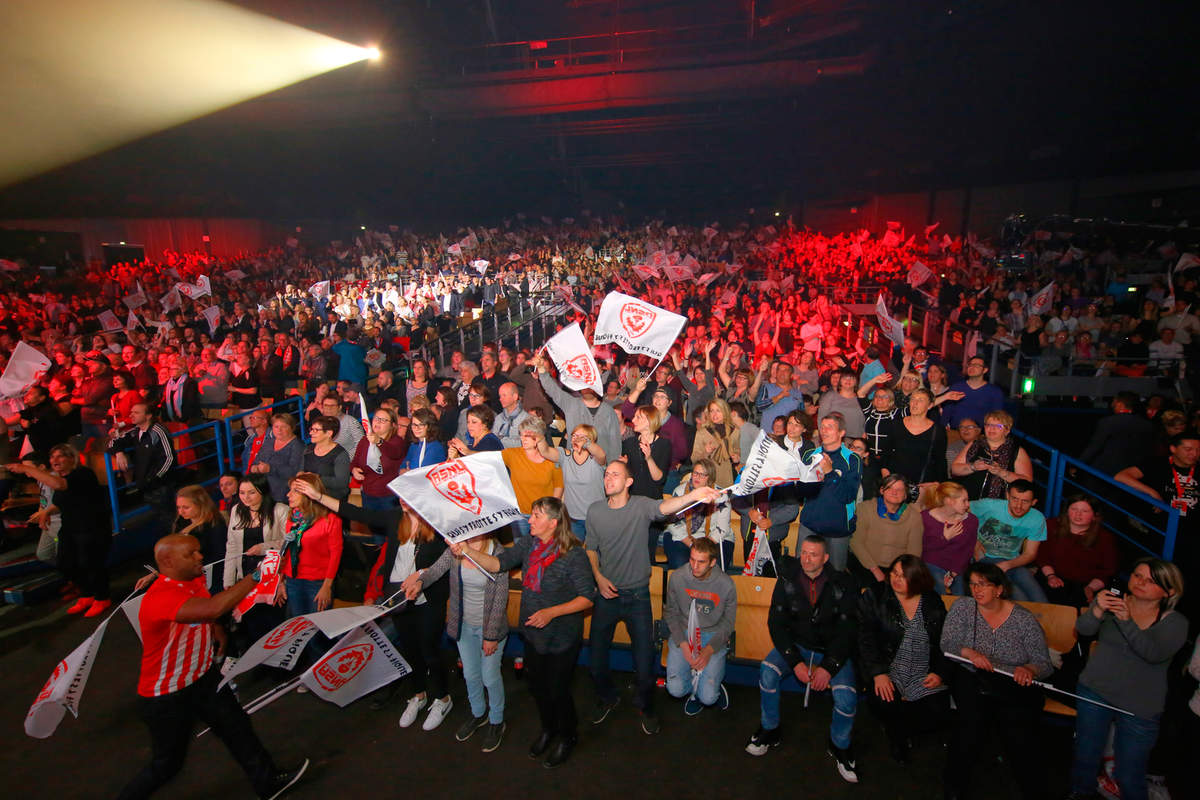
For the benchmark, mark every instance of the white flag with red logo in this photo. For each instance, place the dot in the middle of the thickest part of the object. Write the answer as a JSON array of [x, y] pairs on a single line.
[[693, 639], [109, 321], [678, 272], [918, 273], [264, 592], [454, 249], [892, 328], [481, 265], [361, 662], [319, 290], [213, 315], [1043, 300], [569, 351], [461, 498], [283, 644], [771, 465], [760, 555], [63, 689], [636, 326], [645, 271]]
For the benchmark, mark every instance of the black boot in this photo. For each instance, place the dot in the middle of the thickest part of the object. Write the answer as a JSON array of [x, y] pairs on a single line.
[[560, 752], [541, 744]]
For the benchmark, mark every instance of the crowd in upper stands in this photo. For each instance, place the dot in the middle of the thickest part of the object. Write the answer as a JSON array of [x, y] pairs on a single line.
[[924, 489]]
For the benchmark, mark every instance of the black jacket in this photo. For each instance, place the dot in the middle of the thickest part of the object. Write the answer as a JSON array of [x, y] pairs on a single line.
[[881, 627], [829, 627], [152, 457]]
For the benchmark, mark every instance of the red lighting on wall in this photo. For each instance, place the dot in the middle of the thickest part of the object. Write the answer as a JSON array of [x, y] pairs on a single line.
[[205, 238], [538, 45]]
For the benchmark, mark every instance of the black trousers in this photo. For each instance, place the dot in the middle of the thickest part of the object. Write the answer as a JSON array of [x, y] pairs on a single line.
[[172, 722], [549, 676], [83, 559], [902, 719], [419, 637], [994, 702]]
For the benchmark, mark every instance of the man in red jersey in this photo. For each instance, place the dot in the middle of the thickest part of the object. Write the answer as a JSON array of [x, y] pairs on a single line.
[[178, 681]]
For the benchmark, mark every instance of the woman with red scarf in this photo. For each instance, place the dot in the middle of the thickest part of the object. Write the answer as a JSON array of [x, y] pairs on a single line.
[[556, 588]]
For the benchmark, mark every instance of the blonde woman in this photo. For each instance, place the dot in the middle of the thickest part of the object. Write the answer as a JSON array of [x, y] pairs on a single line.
[[197, 515], [582, 461], [718, 441], [949, 533]]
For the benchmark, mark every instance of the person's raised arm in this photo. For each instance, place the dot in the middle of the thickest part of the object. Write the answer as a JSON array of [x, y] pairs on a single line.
[[673, 505], [45, 477], [209, 609], [1132, 477]]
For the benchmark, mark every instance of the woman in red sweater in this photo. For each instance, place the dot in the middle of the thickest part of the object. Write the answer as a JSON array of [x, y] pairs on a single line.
[[312, 551], [1079, 554]]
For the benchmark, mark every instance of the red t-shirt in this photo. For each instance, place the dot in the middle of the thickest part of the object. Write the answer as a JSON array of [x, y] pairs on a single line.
[[174, 654]]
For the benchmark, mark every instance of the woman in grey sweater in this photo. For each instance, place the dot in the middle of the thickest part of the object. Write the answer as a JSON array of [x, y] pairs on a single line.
[[995, 633], [477, 619], [557, 587], [1139, 633]]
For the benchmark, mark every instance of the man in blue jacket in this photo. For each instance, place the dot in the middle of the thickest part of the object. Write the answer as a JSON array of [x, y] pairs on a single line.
[[831, 513]]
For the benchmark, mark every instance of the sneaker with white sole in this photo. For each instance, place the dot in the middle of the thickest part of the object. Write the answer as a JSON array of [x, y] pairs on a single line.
[[845, 762], [762, 741], [437, 713], [692, 706], [302, 689], [722, 699], [282, 781], [415, 706]]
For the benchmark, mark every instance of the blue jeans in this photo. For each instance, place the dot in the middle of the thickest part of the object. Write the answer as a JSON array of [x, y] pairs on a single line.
[[1134, 740], [579, 528], [302, 599], [939, 580], [775, 669], [679, 673], [631, 606], [480, 671], [1025, 586]]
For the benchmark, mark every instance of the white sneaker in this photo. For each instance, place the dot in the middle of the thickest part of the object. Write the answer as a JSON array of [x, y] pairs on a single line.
[[228, 664], [437, 712], [415, 704]]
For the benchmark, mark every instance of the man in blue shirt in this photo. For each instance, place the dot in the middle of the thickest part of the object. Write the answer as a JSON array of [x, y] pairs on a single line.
[[972, 398], [352, 360], [779, 398], [1010, 532]]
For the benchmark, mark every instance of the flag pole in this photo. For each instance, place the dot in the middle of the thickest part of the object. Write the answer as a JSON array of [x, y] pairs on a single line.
[[1048, 687], [266, 698]]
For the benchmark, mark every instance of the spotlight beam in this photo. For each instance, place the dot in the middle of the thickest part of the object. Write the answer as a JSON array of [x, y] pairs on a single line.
[[78, 77]]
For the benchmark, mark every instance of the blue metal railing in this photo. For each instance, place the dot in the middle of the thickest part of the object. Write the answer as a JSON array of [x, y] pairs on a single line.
[[294, 405], [1056, 473]]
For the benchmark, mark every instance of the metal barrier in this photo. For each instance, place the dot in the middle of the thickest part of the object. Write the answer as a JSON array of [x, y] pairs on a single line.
[[295, 405], [1057, 474], [197, 445], [521, 322]]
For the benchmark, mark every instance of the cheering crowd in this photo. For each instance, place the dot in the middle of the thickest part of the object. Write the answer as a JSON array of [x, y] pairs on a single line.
[[923, 489]]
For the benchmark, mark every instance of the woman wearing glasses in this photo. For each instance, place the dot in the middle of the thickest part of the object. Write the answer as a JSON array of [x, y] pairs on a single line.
[[994, 633], [326, 458], [425, 449], [990, 464], [1139, 633], [703, 521]]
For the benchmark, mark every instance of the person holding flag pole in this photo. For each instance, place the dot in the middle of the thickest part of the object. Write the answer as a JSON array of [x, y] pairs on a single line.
[[178, 678], [699, 639], [412, 544]]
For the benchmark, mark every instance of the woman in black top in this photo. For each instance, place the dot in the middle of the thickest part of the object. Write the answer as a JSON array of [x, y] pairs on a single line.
[[243, 383], [917, 446], [197, 516], [647, 454], [326, 458], [900, 654], [411, 545], [86, 533], [557, 588]]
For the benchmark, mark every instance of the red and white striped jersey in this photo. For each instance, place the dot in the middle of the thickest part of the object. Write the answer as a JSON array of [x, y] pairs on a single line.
[[174, 654]]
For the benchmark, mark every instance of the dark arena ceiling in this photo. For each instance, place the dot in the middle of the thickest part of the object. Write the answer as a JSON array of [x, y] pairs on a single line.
[[485, 107]]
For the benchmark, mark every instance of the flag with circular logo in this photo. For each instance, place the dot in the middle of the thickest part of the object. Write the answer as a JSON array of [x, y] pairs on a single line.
[[569, 351], [361, 662], [636, 326], [461, 498]]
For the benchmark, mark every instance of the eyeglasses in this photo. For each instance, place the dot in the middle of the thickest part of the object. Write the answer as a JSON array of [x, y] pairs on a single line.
[[699, 474], [995, 425], [968, 427], [981, 585], [474, 394]]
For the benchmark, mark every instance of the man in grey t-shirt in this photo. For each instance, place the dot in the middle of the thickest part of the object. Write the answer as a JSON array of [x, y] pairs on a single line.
[[617, 529]]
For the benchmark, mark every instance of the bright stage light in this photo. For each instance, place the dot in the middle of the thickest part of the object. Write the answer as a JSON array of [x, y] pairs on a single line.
[[373, 53], [78, 77]]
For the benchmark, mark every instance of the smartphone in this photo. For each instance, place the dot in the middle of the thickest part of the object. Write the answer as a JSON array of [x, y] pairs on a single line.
[[1115, 586]]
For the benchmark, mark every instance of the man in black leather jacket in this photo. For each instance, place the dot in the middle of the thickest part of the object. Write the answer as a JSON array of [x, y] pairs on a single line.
[[813, 624]]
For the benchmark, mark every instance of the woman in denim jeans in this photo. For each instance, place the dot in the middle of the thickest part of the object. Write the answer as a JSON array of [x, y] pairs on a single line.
[[477, 619], [1139, 633]]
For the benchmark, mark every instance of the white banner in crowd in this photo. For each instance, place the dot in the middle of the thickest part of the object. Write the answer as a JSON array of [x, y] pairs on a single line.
[[891, 326], [26, 366], [477, 486], [319, 290], [265, 591], [636, 326], [1043, 300], [569, 351], [361, 662], [282, 645], [760, 555], [64, 688], [918, 273], [212, 315], [109, 321], [771, 465]]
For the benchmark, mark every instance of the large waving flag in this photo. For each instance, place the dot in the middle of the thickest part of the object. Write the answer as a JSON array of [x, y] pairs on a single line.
[[361, 662], [891, 327], [771, 465], [570, 352], [478, 489], [636, 326], [64, 687], [918, 273], [760, 555]]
